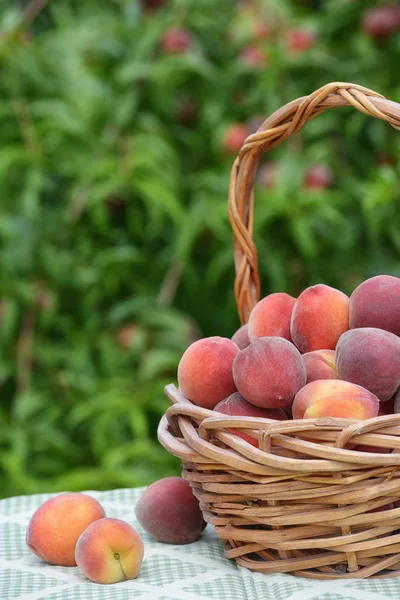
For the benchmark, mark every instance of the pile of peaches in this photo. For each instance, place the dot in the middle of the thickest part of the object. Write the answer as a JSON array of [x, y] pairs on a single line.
[[323, 354], [71, 529]]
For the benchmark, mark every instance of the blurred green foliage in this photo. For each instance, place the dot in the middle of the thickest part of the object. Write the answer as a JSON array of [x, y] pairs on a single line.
[[115, 246]]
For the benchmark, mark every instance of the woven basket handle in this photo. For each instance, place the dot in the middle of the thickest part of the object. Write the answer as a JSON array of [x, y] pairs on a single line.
[[280, 125]]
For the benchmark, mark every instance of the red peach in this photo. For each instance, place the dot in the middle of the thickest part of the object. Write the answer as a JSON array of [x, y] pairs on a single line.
[[109, 551], [56, 525], [235, 405], [320, 316], [320, 364], [205, 371], [269, 372], [376, 303], [387, 408], [241, 337], [334, 398], [271, 317], [370, 357], [169, 511]]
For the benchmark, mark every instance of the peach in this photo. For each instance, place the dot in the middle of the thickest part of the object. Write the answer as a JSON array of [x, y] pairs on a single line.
[[56, 525], [241, 337], [205, 371], [387, 408], [271, 317], [376, 303], [334, 398], [169, 512], [109, 551], [320, 316], [370, 357], [320, 364], [236, 405], [269, 372]]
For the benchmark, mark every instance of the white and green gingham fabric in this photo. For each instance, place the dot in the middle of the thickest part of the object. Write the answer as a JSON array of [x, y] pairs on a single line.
[[196, 571]]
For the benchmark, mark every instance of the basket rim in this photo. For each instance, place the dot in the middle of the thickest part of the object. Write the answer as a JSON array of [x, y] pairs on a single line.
[[201, 428]]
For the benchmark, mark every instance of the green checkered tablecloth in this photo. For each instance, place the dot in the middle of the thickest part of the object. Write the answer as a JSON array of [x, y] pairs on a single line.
[[196, 571]]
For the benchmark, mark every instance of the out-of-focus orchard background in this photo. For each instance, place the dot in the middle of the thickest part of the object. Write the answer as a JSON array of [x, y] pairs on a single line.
[[119, 123]]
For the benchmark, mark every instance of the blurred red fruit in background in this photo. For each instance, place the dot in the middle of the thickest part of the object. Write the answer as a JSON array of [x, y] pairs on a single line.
[[380, 22], [235, 136], [318, 177], [262, 31], [299, 40], [176, 41], [253, 57]]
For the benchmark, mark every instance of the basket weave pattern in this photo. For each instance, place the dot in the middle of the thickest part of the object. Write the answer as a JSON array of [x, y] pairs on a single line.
[[301, 502]]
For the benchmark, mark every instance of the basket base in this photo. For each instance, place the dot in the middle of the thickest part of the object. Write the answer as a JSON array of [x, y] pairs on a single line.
[[269, 562]]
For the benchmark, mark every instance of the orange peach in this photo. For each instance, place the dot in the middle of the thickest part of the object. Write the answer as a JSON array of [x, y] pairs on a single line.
[[334, 398], [236, 405], [169, 511], [370, 357], [205, 371], [320, 316], [376, 303], [269, 372], [320, 364], [109, 551], [271, 317], [56, 525], [241, 337]]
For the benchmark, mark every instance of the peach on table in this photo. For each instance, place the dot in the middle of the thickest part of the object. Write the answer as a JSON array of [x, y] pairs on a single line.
[[109, 550], [56, 525]]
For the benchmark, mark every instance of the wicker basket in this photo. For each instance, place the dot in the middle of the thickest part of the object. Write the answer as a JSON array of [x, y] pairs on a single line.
[[293, 505]]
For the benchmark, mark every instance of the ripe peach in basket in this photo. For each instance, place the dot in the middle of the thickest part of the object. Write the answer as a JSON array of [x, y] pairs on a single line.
[[376, 303], [235, 405], [320, 364], [269, 372], [334, 398], [370, 357], [109, 551], [320, 316], [205, 371], [241, 337], [56, 525], [169, 512], [271, 317]]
